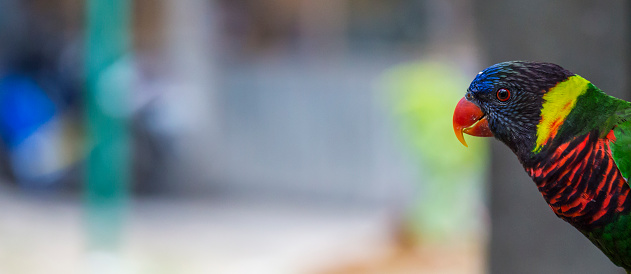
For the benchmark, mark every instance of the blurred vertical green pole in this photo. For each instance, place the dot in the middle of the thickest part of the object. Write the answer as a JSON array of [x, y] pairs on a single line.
[[108, 165]]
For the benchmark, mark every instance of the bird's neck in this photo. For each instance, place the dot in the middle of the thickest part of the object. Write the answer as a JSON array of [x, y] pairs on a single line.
[[573, 108], [558, 103]]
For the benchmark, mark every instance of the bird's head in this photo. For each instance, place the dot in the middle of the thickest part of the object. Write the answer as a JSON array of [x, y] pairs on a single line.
[[507, 100]]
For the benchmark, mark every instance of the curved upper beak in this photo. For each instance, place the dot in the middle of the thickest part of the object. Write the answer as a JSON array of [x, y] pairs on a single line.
[[469, 119]]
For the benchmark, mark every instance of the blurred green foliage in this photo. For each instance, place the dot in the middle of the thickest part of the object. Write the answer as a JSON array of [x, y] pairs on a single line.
[[423, 96]]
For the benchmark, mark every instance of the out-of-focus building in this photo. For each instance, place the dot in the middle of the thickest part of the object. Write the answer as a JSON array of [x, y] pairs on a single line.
[[244, 96], [280, 104]]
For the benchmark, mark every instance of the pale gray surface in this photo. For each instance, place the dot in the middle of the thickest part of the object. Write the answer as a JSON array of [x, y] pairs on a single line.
[[44, 235]]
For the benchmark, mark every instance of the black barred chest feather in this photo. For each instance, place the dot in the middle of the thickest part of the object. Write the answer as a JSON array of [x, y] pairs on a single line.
[[581, 182]]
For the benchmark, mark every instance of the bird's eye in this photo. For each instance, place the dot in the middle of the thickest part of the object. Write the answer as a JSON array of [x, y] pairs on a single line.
[[469, 96], [503, 94]]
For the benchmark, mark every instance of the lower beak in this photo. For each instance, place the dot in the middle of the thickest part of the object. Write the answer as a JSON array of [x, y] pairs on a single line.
[[469, 119]]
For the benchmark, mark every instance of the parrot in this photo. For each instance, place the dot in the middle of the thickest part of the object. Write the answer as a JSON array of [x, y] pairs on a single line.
[[571, 138]]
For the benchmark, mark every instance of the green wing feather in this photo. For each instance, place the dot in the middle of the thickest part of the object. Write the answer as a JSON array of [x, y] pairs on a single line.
[[621, 147]]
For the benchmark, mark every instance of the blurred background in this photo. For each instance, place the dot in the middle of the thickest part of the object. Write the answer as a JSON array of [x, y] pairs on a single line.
[[279, 136]]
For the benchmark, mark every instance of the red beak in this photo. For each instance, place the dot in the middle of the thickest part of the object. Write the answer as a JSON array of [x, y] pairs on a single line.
[[469, 119]]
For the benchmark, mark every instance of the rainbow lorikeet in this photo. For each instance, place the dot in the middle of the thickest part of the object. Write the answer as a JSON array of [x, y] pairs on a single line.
[[571, 138]]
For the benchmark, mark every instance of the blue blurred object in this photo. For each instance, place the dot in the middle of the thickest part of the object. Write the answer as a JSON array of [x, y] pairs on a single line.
[[24, 107], [30, 132]]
